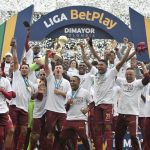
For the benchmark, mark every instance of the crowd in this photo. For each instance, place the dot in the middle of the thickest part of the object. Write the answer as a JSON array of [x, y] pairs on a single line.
[[48, 102]]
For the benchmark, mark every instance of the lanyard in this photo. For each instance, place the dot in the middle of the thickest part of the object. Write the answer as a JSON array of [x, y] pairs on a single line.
[[57, 83], [26, 81], [74, 93], [37, 74]]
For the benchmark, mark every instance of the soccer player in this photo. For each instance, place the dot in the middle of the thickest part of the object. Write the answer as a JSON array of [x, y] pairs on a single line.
[[103, 86], [57, 87], [5, 120], [128, 108], [38, 127], [78, 99], [19, 105]]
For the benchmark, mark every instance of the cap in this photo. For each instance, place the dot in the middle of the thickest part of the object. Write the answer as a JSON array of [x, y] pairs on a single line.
[[8, 54]]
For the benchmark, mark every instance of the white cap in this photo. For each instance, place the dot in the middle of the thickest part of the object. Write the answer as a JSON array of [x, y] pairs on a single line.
[[8, 54]]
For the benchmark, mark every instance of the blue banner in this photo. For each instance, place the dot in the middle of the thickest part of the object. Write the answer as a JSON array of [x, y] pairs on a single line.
[[80, 21]]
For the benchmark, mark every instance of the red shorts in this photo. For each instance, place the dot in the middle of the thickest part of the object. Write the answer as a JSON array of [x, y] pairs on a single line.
[[103, 114], [54, 119], [114, 123], [5, 120], [72, 128], [74, 124], [18, 116], [38, 125]]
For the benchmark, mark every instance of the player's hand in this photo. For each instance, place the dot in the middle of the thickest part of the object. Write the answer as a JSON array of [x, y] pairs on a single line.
[[84, 110], [125, 40], [57, 92], [70, 101], [130, 45]]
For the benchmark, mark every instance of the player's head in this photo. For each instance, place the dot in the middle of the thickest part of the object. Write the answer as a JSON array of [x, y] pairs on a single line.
[[102, 66], [82, 68], [130, 75], [58, 70], [74, 82], [24, 69]]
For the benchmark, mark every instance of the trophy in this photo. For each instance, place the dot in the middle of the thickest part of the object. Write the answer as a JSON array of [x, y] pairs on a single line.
[[111, 45], [62, 40]]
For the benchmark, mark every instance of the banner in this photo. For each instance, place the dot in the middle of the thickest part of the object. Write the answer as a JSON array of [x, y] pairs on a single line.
[[80, 22], [76, 22], [14, 28]]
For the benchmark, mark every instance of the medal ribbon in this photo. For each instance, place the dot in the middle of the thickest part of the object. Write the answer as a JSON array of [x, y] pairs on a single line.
[[26, 82], [57, 84], [74, 93]]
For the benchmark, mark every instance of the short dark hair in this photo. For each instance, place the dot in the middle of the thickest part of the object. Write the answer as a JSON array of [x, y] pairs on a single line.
[[104, 61], [130, 68], [76, 77], [36, 46], [112, 52], [25, 65], [94, 63], [58, 63]]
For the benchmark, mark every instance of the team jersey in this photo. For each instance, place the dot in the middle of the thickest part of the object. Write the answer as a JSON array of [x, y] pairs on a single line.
[[130, 96], [4, 84], [145, 104], [80, 100], [87, 80], [103, 87], [23, 91], [39, 110], [72, 72], [55, 102]]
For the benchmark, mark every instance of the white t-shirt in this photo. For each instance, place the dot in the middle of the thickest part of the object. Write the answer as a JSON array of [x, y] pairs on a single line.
[[110, 66], [130, 96], [87, 79], [116, 98], [103, 87], [39, 110], [72, 72], [4, 84], [55, 102], [33, 76], [6, 68], [81, 100], [30, 56], [145, 106], [122, 70], [23, 95]]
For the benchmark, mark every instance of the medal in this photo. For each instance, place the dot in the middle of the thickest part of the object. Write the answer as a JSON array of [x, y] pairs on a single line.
[[29, 89], [148, 98], [71, 101]]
